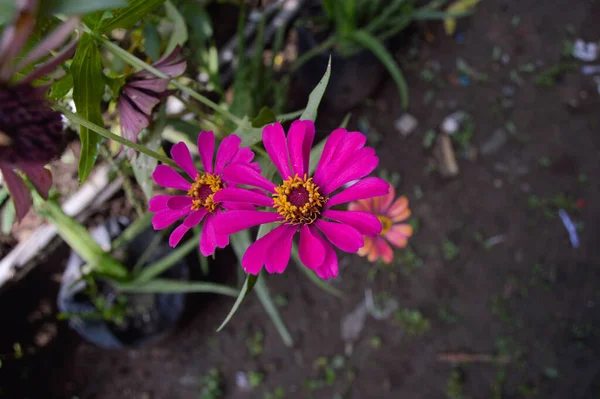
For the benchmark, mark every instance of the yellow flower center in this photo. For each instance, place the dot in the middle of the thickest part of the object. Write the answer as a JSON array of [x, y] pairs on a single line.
[[298, 200], [203, 190], [386, 224]]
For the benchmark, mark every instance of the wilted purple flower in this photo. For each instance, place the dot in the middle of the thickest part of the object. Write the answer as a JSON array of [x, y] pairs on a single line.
[[143, 91], [31, 133]]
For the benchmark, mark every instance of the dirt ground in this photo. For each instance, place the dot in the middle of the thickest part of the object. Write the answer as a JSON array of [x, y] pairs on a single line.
[[491, 277]]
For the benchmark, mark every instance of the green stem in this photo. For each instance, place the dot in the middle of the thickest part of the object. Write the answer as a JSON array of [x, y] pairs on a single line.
[[110, 135], [136, 62], [289, 115], [324, 46]]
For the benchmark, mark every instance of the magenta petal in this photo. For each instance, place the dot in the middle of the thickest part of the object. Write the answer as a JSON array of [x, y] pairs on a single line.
[[244, 155], [345, 237], [154, 85], [178, 234], [230, 206], [279, 255], [180, 202], [226, 151], [244, 174], [18, 191], [329, 268], [256, 254], [355, 168], [158, 202], [295, 145], [366, 223], [235, 194], [366, 188], [233, 221], [309, 137], [221, 239], [40, 177], [195, 217], [311, 250], [208, 240], [181, 155], [166, 217], [143, 101], [167, 177], [328, 151], [274, 141], [206, 148], [347, 150]]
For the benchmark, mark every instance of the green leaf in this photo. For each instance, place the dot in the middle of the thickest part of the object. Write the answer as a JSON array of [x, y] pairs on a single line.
[[165, 286], [77, 7], [78, 238], [264, 117], [314, 99], [262, 292], [180, 33], [152, 41], [249, 135], [312, 276], [8, 217], [315, 155], [8, 8], [130, 15], [61, 87], [88, 89], [366, 40], [246, 288]]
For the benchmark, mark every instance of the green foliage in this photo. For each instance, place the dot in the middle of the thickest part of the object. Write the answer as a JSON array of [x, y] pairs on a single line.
[[412, 321], [212, 385], [78, 7], [88, 89], [128, 16], [455, 386]]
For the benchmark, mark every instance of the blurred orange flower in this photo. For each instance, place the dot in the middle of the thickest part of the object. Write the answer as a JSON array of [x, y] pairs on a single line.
[[390, 213]]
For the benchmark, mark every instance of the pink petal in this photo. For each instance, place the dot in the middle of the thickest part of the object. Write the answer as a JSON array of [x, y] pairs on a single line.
[[51, 64], [386, 200], [158, 202], [181, 155], [178, 234], [366, 223], [311, 250], [328, 151], [143, 101], [274, 141], [195, 217], [132, 120], [206, 148], [235, 194], [296, 138], [167, 177], [154, 85], [256, 254], [345, 237], [244, 155], [244, 174], [329, 268], [233, 221], [15, 36], [18, 191], [399, 210], [279, 255], [226, 151], [398, 235], [40, 177], [366, 188], [361, 205], [208, 239], [180, 202], [373, 253], [166, 217], [384, 250], [361, 164]]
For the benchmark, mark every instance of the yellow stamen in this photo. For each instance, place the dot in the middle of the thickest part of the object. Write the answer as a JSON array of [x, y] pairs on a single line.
[[203, 190], [298, 200], [386, 224]]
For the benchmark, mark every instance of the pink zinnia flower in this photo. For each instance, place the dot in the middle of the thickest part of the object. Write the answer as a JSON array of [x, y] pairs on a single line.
[[31, 133], [305, 204], [143, 91], [390, 213], [198, 202]]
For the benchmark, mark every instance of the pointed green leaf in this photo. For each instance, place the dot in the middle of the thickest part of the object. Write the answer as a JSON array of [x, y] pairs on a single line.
[[61, 87], [130, 15], [179, 35], [246, 288], [264, 117], [167, 286], [262, 292], [249, 135], [368, 41], [78, 7], [314, 99], [88, 89]]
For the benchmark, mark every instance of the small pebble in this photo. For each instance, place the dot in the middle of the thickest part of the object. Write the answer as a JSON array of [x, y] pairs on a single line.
[[406, 124]]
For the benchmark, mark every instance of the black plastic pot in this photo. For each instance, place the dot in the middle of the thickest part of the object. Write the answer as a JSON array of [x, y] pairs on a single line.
[[148, 317], [353, 79]]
